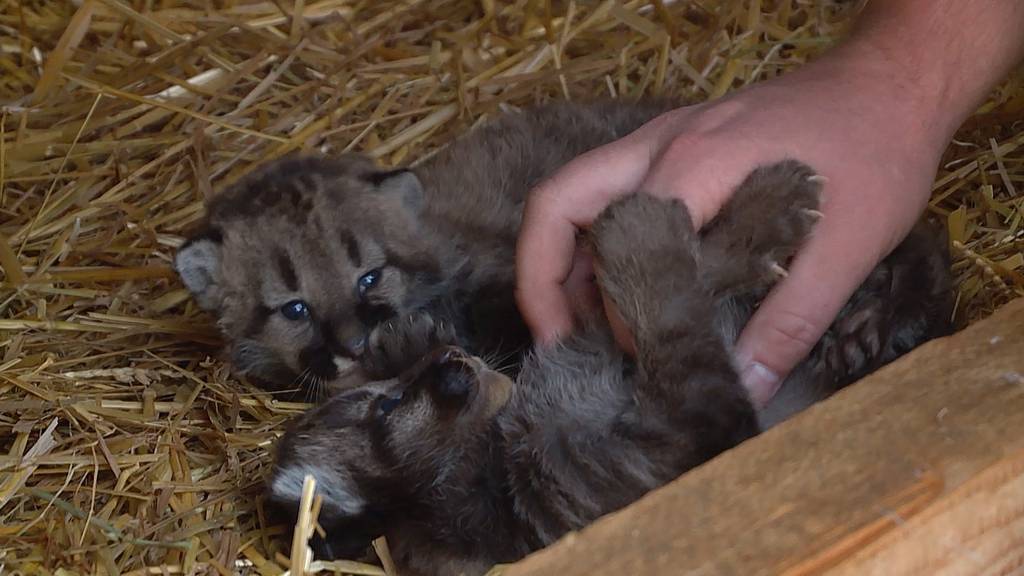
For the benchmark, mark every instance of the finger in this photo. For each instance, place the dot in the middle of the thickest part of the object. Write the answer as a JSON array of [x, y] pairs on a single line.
[[800, 309], [543, 262], [580, 287], [569, 199]]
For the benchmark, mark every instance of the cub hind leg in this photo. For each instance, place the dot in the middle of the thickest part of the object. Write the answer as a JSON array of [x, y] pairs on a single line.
[[646, 253], [903, 303]]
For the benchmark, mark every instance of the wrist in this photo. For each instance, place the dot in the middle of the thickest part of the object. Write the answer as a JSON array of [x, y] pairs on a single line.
[[936, 59], [915, 104]]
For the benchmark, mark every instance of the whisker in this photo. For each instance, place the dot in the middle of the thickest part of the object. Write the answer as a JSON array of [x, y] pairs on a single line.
[[303, 384], [296, 384], [501, 358], [501, 362], [318, 390], [505, 367], [311, 388]]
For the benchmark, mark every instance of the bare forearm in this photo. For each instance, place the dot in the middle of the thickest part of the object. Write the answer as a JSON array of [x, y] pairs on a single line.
[[945, 55]]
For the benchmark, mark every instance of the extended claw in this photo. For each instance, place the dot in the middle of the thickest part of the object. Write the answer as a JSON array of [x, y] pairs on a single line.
[[816, 214], [779, 270], [817, 178]]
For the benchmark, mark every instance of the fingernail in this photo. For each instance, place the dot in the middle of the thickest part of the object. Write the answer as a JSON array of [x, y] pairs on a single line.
[[761, 383]]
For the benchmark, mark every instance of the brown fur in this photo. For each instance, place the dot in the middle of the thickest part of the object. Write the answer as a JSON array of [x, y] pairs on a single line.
[[462, 469], [443, 235]]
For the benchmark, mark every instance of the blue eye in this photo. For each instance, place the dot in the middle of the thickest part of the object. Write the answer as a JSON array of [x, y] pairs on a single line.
[[295, 310], [387, 405], [369, 280]]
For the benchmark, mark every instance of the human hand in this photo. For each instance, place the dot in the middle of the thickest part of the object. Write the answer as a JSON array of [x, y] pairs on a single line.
[[875, 142]]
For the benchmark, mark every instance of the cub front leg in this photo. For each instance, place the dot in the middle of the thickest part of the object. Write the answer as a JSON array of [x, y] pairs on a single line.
[[396, 345], [748, 245]]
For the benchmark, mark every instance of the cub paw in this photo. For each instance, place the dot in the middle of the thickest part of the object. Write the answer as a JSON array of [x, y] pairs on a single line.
[[855, 344], [768, 219], [397, 345], [645, 252]]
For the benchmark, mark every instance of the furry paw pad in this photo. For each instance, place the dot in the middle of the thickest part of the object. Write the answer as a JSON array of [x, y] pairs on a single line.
[[770, 216], [857, 341], [645, 253], [397, 344], [641, 224]]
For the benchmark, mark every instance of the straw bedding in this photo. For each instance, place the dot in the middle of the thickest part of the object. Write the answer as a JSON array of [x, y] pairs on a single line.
[[126, 446]]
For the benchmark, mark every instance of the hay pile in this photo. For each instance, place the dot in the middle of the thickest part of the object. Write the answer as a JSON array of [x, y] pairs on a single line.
[[125, 446]]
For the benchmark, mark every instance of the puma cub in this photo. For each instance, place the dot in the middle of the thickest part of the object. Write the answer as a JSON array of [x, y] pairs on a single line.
[[300, 260]]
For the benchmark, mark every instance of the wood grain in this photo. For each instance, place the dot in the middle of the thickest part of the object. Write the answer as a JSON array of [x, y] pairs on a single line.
[[918, 470], [977, 529]]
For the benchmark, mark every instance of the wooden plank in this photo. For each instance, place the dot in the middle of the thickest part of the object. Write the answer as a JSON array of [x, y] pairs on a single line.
[[979, 528], [918, 470]]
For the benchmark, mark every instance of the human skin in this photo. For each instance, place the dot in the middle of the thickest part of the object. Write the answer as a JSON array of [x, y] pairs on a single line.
[[872, 116]]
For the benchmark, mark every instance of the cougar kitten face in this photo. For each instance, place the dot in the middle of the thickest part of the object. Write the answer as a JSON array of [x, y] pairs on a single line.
[[363, 445], [300, 260]]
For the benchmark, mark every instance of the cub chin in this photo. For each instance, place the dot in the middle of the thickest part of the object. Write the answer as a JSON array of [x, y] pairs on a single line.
[[301, 259], [462, 468]]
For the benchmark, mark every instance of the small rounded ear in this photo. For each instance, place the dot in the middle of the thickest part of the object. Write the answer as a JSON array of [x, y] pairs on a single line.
[[403, 183], [198, 264]]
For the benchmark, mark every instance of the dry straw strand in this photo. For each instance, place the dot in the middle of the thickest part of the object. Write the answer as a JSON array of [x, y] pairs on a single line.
[[127, 446]]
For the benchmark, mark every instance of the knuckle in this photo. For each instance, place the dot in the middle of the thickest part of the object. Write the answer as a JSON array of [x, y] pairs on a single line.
[[715, 116], [682, 145], [793, 332]]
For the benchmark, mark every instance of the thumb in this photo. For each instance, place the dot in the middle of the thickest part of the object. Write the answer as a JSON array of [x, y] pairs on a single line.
[[795, 315], [569, 199]]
